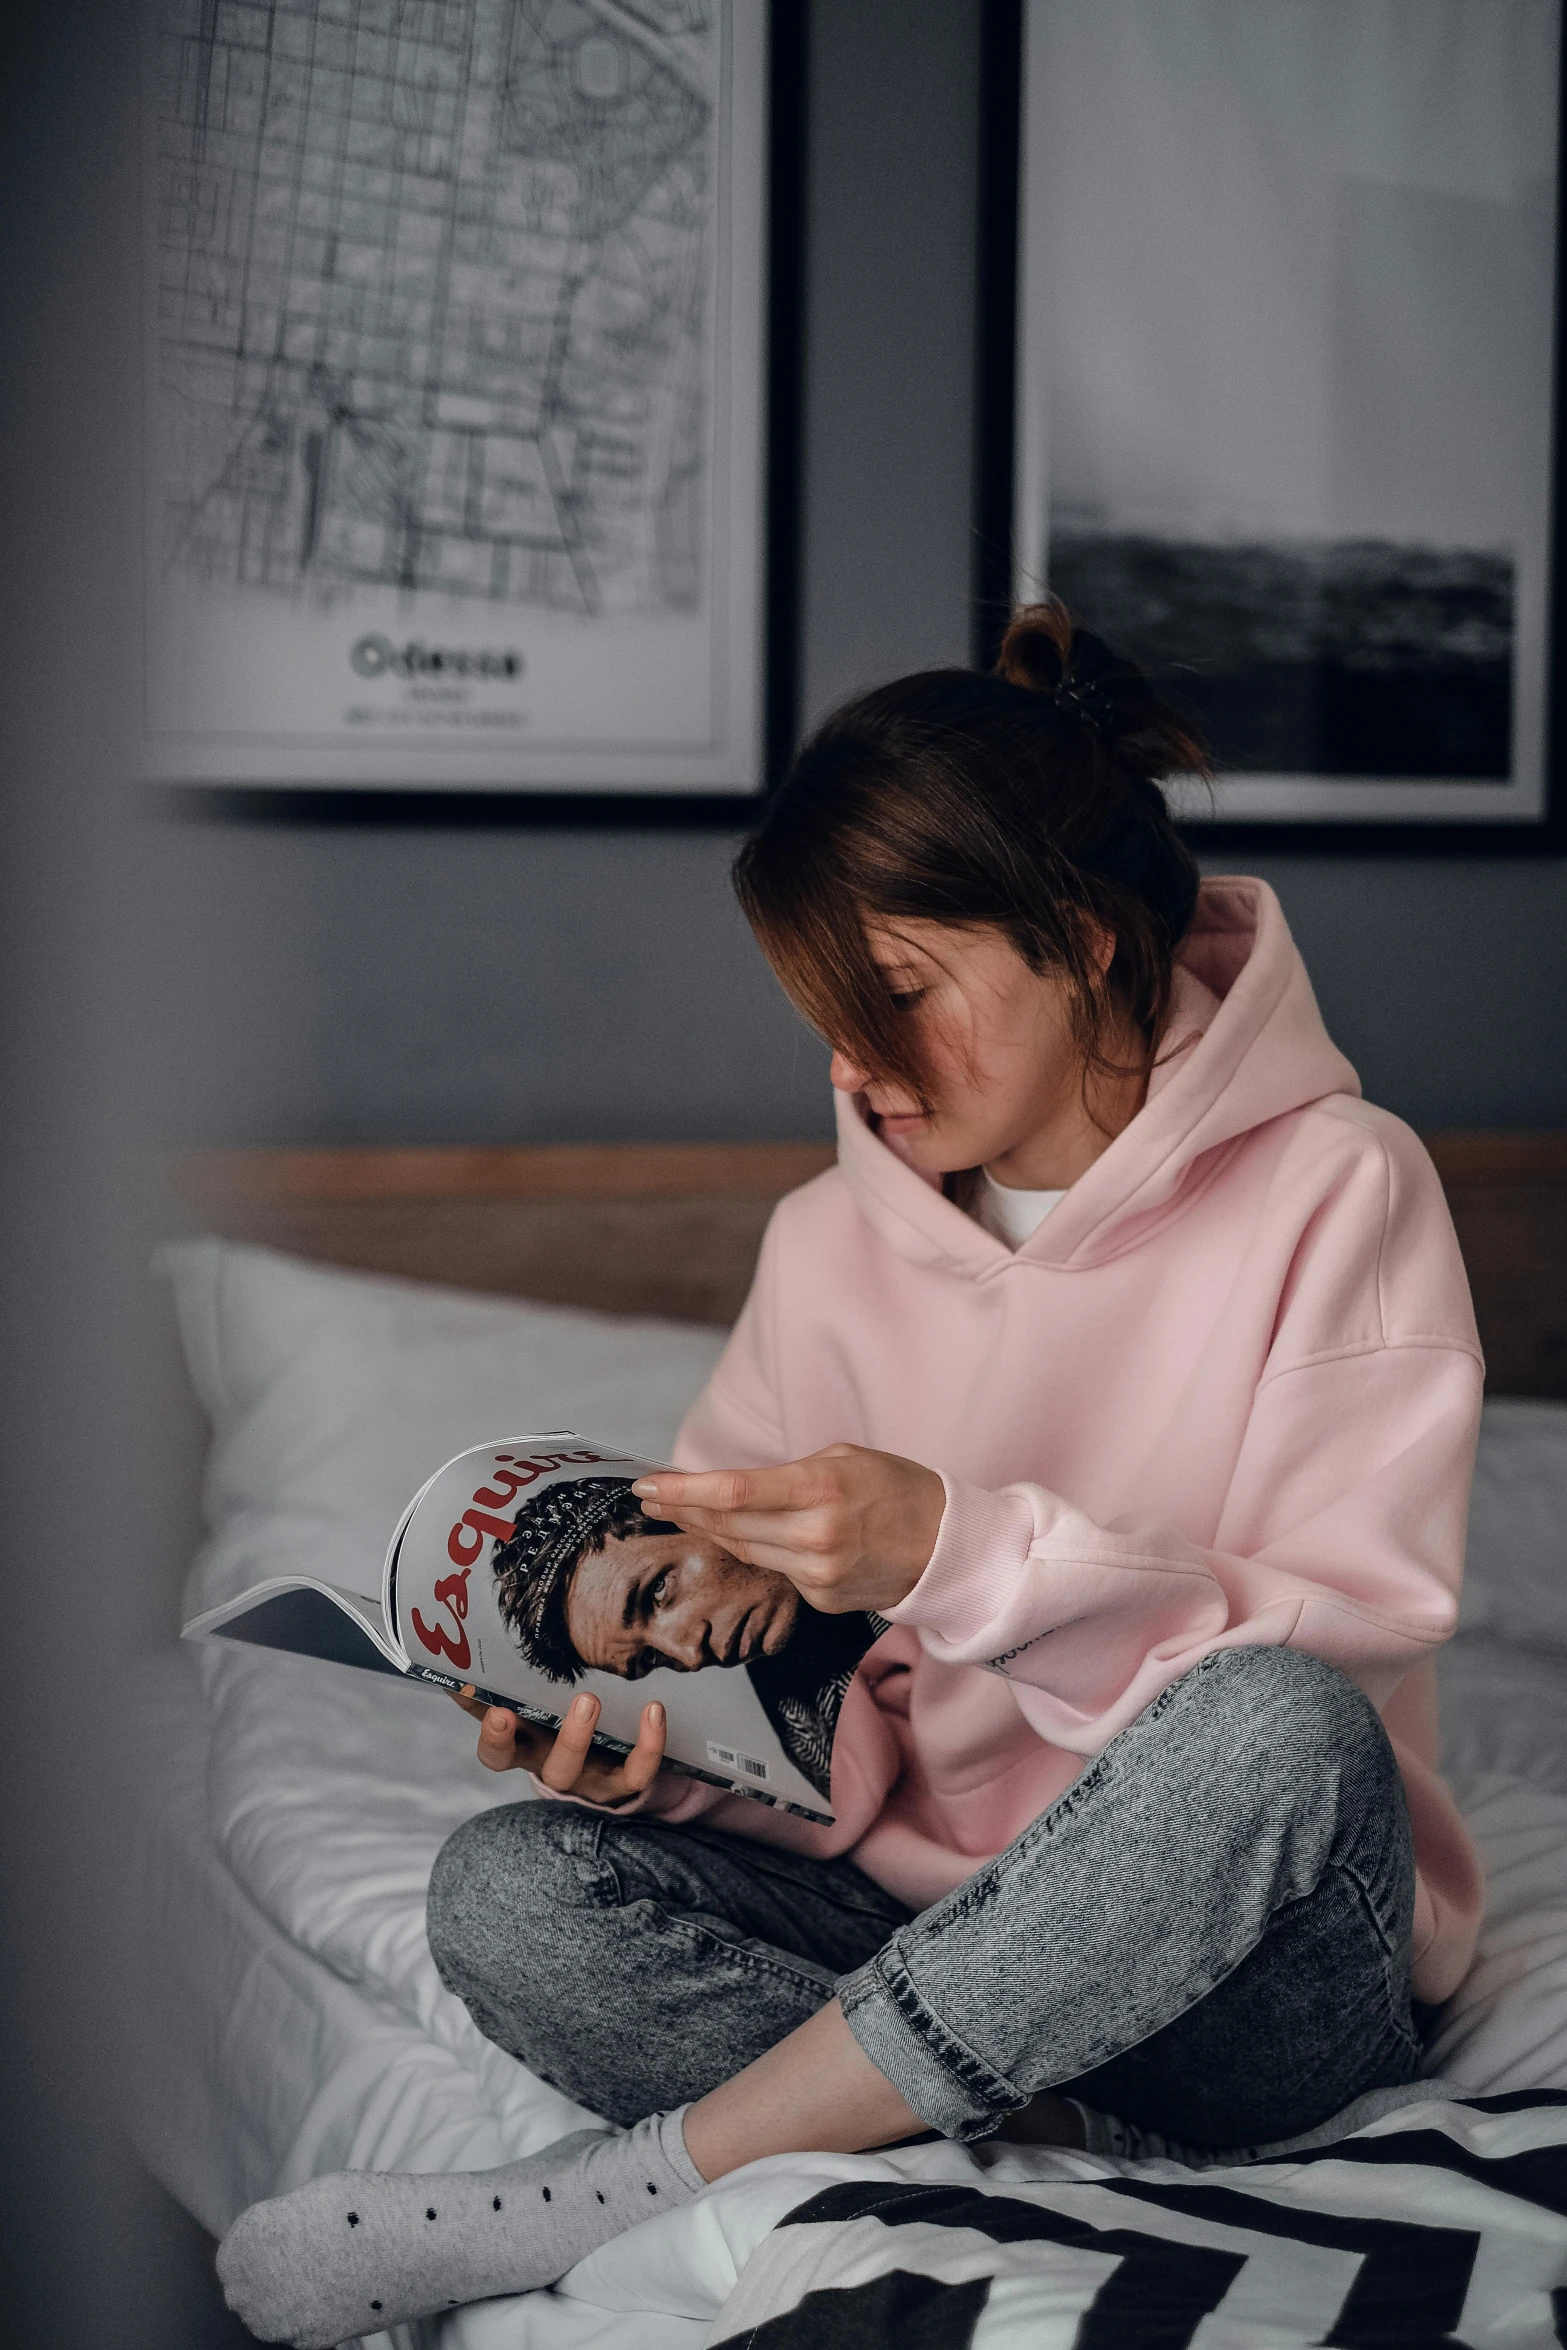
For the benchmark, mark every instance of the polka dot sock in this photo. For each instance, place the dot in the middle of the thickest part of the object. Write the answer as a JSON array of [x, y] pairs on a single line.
[[362, 2250]]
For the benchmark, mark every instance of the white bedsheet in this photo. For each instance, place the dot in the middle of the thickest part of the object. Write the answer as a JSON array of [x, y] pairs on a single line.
[[290, 1812], [296, 2023], [261, 2062]]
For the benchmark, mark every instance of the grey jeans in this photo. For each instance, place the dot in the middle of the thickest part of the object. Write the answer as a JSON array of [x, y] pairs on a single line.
[[1207, 1935]]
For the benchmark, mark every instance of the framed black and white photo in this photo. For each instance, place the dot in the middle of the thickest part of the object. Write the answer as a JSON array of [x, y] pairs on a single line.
[[1286, 385], [457, 432]]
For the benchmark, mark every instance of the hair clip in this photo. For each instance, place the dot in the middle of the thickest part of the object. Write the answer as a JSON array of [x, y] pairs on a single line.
[[1086, 701]]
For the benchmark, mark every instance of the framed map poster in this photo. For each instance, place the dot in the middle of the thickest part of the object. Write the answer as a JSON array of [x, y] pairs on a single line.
[[1287, 386], [456, 422]]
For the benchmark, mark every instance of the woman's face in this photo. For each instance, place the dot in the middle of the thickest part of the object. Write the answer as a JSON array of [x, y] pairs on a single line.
[[1002, 1068]]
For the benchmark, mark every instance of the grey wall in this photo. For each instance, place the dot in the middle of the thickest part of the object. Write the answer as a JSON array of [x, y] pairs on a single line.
[[1444, 980], [351, 986], [348, 985]]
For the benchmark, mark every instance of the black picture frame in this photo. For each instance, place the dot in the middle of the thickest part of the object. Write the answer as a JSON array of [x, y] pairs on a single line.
[[460, 808], [994, 574]]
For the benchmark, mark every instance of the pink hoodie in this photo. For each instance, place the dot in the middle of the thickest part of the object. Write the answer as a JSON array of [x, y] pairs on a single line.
[[1228, 1393]]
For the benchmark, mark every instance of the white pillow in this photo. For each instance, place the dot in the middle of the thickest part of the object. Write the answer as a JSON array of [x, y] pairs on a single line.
[[333, 1395], [1515, 1586]]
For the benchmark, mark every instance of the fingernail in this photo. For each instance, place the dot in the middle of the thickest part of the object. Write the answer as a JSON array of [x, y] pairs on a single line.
[[496, 1720], [582, 1708], [646, 1488], [656, 1712]]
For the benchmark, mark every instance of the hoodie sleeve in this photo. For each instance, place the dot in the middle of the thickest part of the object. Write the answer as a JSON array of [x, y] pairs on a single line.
[[1343, 1529]]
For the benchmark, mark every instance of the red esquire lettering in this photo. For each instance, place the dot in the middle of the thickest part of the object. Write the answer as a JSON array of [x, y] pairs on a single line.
[[509, 1482], [451, 1592], [465, 1542], [464, 1552]]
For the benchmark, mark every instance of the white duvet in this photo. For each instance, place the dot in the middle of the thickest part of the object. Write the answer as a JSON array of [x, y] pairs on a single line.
[[329, 1797], [304, 2027]]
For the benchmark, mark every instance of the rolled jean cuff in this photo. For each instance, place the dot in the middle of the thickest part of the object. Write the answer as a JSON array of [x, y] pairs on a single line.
[[951, 2089]]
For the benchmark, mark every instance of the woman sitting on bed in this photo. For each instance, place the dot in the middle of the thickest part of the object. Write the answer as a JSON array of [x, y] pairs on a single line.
[[1125, 1365]]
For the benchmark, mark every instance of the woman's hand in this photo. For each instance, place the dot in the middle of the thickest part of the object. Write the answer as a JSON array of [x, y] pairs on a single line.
[[564, 1758], [849, 1527]]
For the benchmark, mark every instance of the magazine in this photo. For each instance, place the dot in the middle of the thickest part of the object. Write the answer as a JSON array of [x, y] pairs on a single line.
[[517, 1556]]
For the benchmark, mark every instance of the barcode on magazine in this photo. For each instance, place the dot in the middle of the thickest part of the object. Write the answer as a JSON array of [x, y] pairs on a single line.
[[729, 1758]]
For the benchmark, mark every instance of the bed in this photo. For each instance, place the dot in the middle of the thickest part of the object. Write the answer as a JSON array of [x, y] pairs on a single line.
[[345, 1314]]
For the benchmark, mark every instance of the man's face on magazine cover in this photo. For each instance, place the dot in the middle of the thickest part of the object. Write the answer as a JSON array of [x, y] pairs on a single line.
[[676, 1600]]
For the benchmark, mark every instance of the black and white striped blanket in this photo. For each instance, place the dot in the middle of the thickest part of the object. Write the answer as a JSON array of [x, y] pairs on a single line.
[[1440, 2227]]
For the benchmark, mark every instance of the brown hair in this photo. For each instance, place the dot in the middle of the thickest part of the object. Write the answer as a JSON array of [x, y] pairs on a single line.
[[1028, 800]]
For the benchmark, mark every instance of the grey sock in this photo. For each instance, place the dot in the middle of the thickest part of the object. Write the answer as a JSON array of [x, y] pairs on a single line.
[[361, 2250]]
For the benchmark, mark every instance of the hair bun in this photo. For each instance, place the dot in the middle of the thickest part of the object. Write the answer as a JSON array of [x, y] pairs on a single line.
[[1082, 677], [1036, 651]]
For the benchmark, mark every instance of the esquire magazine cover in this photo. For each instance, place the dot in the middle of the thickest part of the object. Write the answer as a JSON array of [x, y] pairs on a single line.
[[527, 1570]]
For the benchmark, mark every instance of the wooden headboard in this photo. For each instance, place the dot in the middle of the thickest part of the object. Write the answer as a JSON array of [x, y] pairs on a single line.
[[632, 1228], [673, 1228]]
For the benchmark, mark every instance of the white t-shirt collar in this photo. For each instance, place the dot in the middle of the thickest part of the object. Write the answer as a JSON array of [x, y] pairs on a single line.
[[1011, 1216]]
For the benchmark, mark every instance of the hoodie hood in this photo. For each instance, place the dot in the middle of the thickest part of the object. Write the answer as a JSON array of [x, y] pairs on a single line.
[[1245, 1044]]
